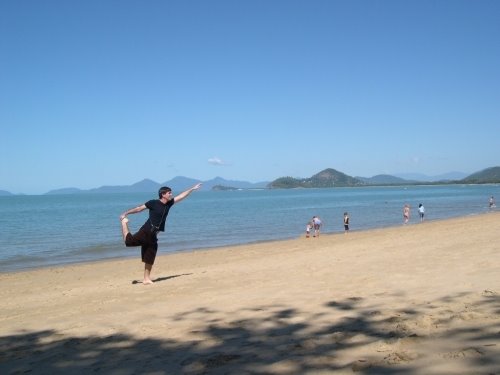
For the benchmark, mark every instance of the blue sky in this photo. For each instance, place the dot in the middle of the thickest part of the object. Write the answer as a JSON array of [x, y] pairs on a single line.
[[102, 92]]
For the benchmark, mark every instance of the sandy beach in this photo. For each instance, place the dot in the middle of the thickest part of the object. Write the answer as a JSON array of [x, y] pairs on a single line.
[[416, 299]]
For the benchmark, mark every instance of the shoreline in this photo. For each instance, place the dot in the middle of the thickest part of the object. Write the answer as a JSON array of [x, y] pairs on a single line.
[[276, 215], [214, 248], [420, 298]]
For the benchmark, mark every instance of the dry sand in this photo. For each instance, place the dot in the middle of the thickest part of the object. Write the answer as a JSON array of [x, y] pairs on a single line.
[[416, 299]]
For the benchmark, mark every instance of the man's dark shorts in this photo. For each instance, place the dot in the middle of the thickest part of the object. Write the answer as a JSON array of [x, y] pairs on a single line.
[[148, 243]]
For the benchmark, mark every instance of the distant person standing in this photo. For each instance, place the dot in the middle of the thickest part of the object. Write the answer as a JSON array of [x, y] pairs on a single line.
[[346, 222], [316, 225], [421, 211], [406, 213], [492, 203], [146, 237]]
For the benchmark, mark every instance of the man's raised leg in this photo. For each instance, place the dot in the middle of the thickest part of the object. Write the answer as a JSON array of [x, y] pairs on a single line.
[[125, 229]]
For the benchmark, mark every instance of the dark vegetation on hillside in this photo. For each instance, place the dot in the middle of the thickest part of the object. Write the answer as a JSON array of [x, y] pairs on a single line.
[[332, 178]]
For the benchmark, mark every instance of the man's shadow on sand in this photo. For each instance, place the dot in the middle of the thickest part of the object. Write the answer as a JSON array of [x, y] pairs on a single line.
[[158, 279]]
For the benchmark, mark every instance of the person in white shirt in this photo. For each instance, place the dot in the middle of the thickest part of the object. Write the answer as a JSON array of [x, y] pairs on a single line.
[[316, 225], [421, 211]]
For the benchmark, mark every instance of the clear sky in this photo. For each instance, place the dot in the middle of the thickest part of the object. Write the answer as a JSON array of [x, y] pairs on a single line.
[[101, 92]]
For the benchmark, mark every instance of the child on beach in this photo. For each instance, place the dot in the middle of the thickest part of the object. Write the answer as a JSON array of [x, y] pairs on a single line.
[[308, 229], [406, 213]]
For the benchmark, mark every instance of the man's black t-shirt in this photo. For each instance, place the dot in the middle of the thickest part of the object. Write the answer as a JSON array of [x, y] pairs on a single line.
[[157, 214]]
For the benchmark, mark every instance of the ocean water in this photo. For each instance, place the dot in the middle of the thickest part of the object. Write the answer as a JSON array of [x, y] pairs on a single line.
[[47, 230]]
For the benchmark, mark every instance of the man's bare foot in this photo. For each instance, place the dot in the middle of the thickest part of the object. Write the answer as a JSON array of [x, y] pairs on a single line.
[[125, 231], [147, 282]]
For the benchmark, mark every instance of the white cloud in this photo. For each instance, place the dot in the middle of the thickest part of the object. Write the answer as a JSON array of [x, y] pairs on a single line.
[[216, 161]]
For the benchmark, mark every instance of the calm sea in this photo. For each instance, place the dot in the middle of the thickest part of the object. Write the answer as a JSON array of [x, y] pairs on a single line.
[[46, 230]]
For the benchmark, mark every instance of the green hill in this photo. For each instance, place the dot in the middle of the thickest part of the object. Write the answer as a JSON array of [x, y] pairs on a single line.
[[324, 179], [486, 176]]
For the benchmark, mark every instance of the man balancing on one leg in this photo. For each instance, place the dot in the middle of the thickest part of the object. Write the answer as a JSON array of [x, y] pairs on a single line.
[[146, 237]]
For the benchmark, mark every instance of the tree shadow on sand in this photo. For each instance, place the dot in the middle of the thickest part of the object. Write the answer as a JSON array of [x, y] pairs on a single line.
[[276, 340]]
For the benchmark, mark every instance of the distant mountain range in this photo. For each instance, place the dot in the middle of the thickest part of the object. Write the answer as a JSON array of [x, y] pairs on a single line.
[[333, 178], [384, 179], [405, 178], [177, 184], [451, 176], [326, 178]]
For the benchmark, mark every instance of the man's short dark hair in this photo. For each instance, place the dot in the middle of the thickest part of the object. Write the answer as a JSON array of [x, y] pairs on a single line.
[[163, 190]]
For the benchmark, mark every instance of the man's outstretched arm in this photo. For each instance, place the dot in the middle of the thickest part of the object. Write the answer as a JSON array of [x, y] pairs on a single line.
[[135, 210], [184, 194]]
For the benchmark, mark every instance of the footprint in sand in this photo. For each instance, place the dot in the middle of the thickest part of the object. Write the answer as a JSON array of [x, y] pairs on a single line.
[[400, 357], [489, 293], [464, 353]]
